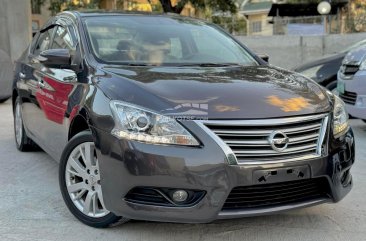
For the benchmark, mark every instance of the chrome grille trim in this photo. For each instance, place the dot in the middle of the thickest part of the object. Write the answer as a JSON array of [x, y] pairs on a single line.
[[243, 142]]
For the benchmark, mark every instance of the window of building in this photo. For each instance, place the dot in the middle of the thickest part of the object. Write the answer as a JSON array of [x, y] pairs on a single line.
[[256, 26]]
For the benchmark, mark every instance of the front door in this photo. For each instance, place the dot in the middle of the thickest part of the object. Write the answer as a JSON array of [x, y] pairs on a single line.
[[53, 95]]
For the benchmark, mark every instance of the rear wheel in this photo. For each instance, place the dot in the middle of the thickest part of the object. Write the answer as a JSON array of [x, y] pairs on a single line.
[[4, 99], [79, 179], [22, 141]]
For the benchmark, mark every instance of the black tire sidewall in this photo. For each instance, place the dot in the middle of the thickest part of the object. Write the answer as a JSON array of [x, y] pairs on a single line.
[[2, 100], [332, 85], [102, 222], [24, 141]]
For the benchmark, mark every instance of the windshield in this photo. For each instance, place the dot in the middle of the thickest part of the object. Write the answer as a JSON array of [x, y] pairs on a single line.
[[157, 40], [356, 45]]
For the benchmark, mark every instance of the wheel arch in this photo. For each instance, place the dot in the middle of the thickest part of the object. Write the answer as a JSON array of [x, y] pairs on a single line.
[[331, 82], [14, 97], [78, 124]]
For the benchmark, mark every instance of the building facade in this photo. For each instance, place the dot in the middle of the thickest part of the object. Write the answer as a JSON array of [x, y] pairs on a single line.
[[256, 13]]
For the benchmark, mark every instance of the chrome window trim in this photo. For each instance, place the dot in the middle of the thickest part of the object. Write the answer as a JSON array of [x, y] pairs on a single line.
[[231, 157]]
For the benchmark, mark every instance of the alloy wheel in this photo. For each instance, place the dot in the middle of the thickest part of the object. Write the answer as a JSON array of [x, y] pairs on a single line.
[[82, 178]]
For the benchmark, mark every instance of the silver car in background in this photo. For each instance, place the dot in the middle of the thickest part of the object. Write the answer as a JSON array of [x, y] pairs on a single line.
[[352, 82]]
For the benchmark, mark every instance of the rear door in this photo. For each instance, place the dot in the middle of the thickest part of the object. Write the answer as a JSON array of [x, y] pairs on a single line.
[[30, 76]]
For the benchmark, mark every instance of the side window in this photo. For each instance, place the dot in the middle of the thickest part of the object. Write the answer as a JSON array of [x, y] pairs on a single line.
[[62, 39], [176, 48], [43, 42]]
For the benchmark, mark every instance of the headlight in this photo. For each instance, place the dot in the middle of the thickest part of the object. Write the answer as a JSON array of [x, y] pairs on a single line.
[[138, 124], [312, 73], [340, 118]]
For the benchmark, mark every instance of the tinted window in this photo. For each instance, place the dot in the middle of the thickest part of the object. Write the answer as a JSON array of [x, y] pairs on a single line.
[[62, 39], [43, 42], [156, 40]]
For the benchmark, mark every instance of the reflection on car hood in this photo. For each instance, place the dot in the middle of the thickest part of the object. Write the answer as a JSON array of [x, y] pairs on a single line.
[[215, 93], [356, 56]]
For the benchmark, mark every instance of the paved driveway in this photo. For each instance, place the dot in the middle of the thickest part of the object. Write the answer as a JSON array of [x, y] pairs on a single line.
[[31, 207]]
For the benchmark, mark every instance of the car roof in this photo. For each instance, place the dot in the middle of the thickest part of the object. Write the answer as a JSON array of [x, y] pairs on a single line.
[[99, 13]]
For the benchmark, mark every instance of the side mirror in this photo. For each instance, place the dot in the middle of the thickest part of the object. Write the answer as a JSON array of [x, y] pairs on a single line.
[[56, 58], [264, 57]]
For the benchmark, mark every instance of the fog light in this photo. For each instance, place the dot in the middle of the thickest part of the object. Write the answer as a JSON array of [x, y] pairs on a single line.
[[180, 196]]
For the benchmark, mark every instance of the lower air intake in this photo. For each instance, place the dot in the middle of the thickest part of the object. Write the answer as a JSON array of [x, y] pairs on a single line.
[[277, 194]]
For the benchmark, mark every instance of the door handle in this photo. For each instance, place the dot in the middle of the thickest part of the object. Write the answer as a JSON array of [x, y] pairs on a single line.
[[41, 84], [21, 75]]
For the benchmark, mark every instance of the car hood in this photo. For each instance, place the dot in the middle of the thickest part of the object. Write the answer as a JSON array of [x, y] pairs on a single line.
[[215, 93], [356, 56], [329, 59]]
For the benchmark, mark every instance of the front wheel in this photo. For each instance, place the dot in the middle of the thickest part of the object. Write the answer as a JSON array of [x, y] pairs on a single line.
[[79, 180]]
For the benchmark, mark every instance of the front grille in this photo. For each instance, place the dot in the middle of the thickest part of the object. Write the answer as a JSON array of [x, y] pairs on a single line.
[[349, 69], [348, 97], [277, 194], [249, 140]]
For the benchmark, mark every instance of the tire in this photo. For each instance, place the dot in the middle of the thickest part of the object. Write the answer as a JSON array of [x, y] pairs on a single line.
[[3, 100], [79, 181], [22, 141]]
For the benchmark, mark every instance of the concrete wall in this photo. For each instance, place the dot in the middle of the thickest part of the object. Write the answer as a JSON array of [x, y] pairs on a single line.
[[15, 27], [15, 35], [288, 51]]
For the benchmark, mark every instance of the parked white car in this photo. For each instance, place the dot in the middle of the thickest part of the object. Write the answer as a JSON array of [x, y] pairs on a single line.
[[352, 82]]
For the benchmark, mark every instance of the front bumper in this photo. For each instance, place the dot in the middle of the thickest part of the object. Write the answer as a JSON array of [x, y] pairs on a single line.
[[127, 164]]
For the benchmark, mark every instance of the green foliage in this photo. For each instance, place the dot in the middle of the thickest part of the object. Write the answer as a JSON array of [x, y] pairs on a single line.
[[356, 16], [164, 6], [60, 5], [304, 1], [215, 5]]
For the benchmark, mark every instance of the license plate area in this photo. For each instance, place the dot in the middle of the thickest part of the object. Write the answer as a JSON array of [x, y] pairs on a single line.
[[281, 174]]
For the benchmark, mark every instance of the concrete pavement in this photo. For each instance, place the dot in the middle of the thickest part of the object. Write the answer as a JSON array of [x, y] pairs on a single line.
[[31, 207]]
